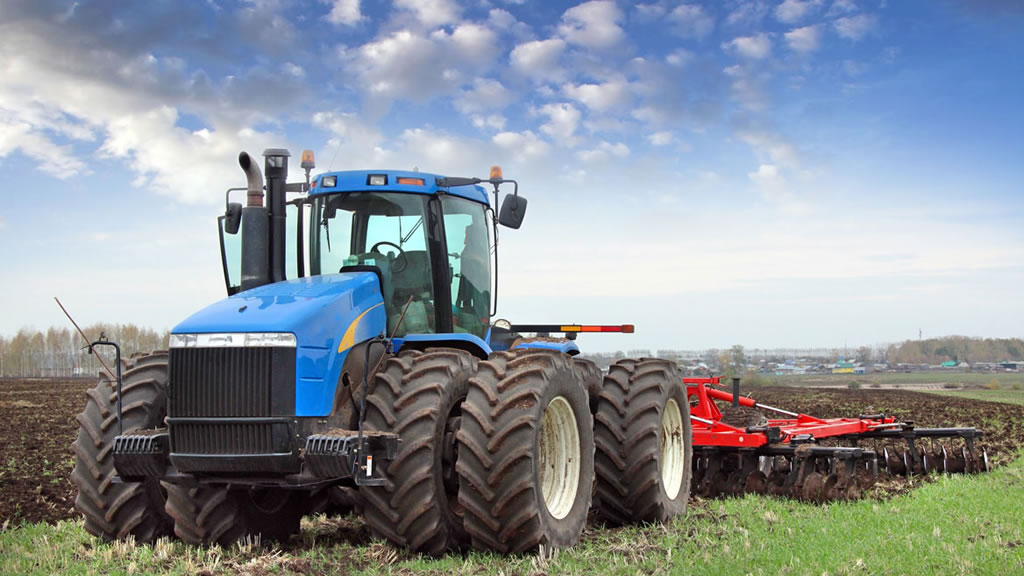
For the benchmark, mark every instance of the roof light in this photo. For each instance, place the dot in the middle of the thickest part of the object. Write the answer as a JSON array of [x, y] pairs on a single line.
[[329, 181], [308, 163], [496, 173], [377, 179], [410, 181]]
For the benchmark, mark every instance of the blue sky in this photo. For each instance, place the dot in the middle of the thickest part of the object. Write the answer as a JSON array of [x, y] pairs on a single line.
[[769, 173]]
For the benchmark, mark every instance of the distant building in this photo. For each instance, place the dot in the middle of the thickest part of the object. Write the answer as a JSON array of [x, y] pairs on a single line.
[[844, 367]]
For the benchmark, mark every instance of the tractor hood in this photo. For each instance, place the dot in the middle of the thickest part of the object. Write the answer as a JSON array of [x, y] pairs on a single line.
[[317, 309]]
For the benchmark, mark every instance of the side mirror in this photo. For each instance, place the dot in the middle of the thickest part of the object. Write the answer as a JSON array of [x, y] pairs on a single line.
[[232, 218], [513, 210]]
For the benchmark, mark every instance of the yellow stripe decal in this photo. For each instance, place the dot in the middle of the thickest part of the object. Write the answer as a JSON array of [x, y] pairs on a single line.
[[349, 339]]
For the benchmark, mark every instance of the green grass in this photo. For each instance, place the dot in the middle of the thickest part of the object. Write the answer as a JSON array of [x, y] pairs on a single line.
[[1005, 396], [955, 525]]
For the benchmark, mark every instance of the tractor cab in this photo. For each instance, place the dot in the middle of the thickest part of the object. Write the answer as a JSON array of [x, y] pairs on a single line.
[[430, 240], [431, 251]]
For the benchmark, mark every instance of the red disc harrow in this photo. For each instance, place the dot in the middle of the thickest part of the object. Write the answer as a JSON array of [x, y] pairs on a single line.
[[811, 458]]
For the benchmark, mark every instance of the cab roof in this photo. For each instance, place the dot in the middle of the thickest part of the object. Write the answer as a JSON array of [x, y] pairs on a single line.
[[359, 181]]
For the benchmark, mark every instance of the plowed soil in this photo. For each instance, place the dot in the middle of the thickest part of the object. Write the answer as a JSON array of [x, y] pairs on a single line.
[[37, 427]]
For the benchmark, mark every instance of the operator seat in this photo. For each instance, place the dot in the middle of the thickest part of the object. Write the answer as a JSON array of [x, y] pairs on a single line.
[[413, 280]]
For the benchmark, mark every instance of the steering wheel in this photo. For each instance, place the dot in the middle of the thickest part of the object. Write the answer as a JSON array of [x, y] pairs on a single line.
[[401, 255]]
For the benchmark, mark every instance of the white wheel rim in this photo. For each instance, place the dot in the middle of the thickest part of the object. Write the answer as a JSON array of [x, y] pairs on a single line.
[[672, 449], [559, 457]]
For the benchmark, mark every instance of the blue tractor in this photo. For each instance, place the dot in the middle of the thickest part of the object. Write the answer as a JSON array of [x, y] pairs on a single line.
[[356, 364]]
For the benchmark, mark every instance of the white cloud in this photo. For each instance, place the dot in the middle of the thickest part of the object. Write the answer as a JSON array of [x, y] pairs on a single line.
[[486, 94], [679, 57], [563, 119], [769, 146], [648, 12], [475, 43], [602, 152], [345, 12], [58, 161], [747, 88], [690, 20], [749, 13], [431, 13], [793, 11], [353, 142], [855, 27], [131, 103], [405, 65], [660, 138], [503, 21], [402, 65], [804, 40], [156, 149], [540, 59], [756, 47], [842, 7], [293, 69], [492, 121], [524, 147], [442, 152], [610, 95], [593, 24], [775, 189]]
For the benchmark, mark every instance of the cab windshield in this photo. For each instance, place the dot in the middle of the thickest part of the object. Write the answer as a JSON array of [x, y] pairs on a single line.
[[386, 230]]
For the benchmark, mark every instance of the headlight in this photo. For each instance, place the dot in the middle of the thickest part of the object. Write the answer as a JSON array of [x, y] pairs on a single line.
[[234, 340]]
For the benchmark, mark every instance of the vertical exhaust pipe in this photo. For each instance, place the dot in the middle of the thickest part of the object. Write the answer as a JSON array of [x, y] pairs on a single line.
[[255, 228]]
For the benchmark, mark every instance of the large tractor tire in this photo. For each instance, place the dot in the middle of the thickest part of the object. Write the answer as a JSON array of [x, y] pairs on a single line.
[[207, 515], [644, 448], [592, 379], [526, 453], [117, 511], [419, 395]]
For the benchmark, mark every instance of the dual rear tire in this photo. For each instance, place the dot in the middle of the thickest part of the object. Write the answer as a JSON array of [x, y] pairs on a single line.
[[644, 447]]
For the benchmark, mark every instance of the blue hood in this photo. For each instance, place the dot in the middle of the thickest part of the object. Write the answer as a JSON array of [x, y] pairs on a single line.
[[316, 309], [319, 310]]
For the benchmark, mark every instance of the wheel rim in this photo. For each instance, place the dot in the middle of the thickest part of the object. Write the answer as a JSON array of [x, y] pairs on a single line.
[[672, 449], [559, 457]]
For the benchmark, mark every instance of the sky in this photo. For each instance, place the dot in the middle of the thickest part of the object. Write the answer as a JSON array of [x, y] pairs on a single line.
[[771, 173]]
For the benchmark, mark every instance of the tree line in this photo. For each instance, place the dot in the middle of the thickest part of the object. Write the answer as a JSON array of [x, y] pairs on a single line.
[[61, 352], [957, 349]]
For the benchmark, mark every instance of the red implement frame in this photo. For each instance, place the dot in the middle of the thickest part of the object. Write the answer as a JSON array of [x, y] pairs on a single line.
[[710, 430]]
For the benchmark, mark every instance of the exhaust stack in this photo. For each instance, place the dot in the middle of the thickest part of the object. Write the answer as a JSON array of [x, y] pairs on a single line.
[[255, 228]]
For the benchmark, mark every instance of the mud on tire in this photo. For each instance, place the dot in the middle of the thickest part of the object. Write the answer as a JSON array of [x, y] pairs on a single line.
[[417, 395], [643, 435], [116, 511], [519, 491]]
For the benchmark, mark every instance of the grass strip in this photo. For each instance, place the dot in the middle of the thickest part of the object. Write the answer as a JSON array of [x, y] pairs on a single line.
[[955, 525]]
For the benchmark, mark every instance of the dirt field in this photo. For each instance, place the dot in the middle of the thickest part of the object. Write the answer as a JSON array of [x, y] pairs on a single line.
[[37, 426]]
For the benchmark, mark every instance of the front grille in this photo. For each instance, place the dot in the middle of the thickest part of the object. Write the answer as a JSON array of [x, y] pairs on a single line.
[[212, 391], [230, 382]]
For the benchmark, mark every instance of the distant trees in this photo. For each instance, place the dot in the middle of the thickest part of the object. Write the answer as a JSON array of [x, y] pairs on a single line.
[[957, 349], [864, 355], [60, 351], [733, 361]]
